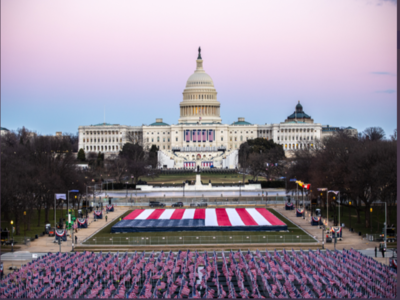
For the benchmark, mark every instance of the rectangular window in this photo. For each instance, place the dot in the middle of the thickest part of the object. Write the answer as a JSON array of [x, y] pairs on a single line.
[[176, 139], [168, 139], [222, 139]]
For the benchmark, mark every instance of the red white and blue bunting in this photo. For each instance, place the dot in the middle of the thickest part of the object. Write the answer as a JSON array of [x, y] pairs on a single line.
[[61, 234], [207, 164], [82, 223], [338, 231], [315, 221], [289, 206], [110, 207], [299, 212], [98, 214], [189, 164]]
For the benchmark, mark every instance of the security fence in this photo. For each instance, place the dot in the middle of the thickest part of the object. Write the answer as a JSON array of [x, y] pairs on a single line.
[[198, 240]]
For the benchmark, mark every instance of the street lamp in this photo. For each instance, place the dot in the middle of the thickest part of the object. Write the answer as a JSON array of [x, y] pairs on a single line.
[[12, 236], [385, 224], [327, 206], [304, 208], [240, 189], [183, 190], [69, 217], [294, 180], [349, 215], [25, 224], [370, 225]]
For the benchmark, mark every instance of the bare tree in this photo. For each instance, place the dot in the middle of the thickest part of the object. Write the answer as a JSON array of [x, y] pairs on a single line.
[[374, 133]]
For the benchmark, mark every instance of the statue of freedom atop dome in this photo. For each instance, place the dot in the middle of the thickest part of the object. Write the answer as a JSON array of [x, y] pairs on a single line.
[[199, 57]]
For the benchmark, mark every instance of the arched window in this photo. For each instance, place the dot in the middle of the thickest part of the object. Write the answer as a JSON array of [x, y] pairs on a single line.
[[241, 138], [87, 147]]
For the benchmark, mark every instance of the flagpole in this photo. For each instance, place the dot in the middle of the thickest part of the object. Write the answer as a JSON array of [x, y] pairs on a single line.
[[327, 209], [340, 224], [55, 222]]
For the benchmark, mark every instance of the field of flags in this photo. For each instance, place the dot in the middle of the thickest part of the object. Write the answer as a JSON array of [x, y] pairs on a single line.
[[186, 274]]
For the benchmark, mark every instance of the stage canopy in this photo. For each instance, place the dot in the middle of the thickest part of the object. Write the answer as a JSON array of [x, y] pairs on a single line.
[[209, 219]]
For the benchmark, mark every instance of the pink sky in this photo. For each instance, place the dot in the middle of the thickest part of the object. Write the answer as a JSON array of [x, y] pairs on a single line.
[[134, 57]]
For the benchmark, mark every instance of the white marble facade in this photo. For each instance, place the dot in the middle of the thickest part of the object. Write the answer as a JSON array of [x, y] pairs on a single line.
[[200, 138]]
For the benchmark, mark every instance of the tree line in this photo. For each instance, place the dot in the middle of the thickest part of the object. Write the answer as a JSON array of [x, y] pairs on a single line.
[[362, 168], [36, 167], [33, 169]]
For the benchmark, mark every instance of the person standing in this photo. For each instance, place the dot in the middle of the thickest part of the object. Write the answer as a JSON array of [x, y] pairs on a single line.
[[106, 218], [376, 251], [382, 249], [76, 240]]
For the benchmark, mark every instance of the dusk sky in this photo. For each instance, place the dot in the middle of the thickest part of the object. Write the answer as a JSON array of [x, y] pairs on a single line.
[[64, 62]]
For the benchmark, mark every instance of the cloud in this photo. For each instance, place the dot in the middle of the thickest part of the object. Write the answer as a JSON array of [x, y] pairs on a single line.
[[383, 73], [386, 92]]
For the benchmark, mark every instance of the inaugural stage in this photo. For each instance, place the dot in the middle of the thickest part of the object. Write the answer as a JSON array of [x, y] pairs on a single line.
[[208, 219]]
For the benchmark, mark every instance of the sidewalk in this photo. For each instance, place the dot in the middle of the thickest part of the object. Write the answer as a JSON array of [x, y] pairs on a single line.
[[349, 239]]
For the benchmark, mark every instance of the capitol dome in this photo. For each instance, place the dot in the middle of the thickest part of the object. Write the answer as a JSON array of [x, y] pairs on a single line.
[[199, 98], [200, 79]]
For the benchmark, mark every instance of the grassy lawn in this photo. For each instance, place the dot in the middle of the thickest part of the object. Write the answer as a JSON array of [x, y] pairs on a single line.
[[215, 178], [378, 218], [34, 228], [105, 237]]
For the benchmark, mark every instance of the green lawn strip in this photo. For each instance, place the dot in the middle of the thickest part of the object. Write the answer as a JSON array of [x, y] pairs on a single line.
[[205, 177], [106, 231], [34, 229], [105, 236]]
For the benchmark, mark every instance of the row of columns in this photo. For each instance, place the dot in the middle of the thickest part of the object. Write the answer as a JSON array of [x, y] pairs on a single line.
[[200, 111]]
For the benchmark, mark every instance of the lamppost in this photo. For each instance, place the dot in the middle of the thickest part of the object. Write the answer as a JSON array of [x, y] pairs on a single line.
[[240, 189], [12, 236], [327, 206], [184, 190], [304, 208], [370, 225], [294, 180], [338, 194], [69, 218], [385, 224], [349, 215], [24, 225], [62, 209]]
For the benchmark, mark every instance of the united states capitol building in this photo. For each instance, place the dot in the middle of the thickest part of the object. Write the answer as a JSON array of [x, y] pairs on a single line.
[[200, 138]]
